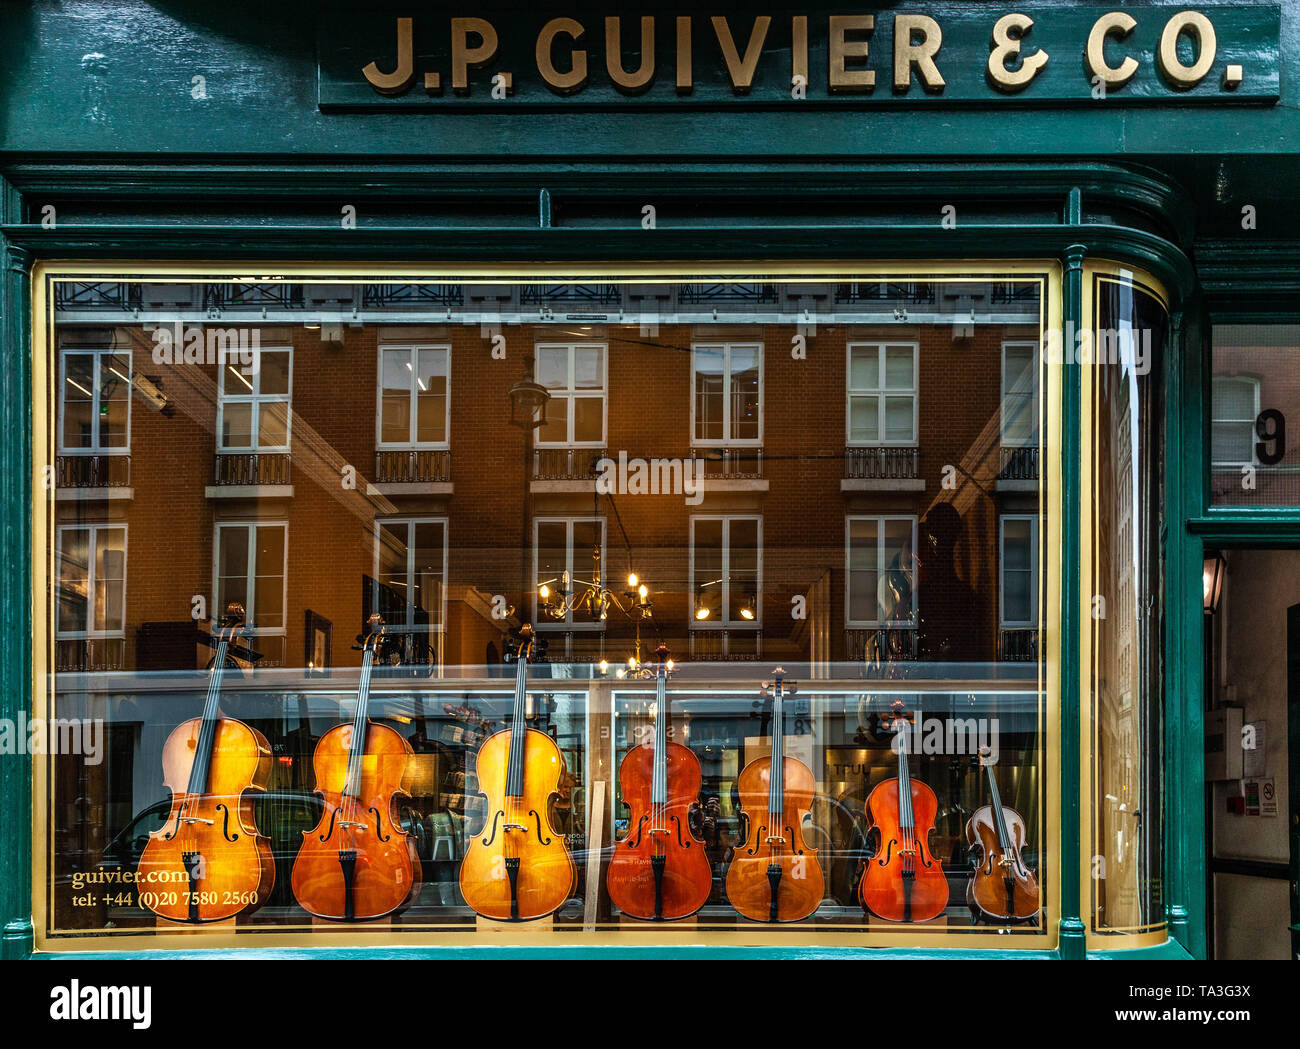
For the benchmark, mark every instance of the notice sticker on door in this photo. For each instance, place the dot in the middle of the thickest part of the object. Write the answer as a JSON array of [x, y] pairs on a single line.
[[1252, 797], [1267, 797]]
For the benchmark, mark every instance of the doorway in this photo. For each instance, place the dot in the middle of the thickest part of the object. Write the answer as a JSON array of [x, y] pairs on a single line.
[[1252, 717]]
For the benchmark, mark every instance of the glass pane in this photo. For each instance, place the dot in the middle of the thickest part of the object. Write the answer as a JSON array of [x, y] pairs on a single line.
[[110, 575], [709, 402], [553, 367], [744, 393], [237, 425], [395, 425], [895, 591], [1255, 415], [864, 368], [864, 419], [74, 579], [428, 576], [742, 575], [589, 419], [78, 398], [268, 600], [552, 556], [431, 397], [273, 377], [392, 591], [556, 428], [589, 368], [706, 551], [114, 400], [900, 368], [273, 425], [898, 419]]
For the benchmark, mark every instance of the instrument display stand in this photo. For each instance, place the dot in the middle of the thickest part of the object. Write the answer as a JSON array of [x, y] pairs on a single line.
[[385, 922], [163, 925], [626, 921], [939, 920]]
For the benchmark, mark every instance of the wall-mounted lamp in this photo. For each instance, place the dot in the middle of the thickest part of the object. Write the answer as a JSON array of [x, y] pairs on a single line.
[[1213, 571]]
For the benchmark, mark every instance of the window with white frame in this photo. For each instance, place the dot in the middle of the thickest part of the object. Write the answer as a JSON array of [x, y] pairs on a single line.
[[253, 410], [575, 376], [250, 560], [95, 402], [727, 397], [1234, 407], [882, 393], [411, 574], [567, 555], [726, 571], [91, 580], [414, 401], [880, 560], [1018, 560], [1019, 394]]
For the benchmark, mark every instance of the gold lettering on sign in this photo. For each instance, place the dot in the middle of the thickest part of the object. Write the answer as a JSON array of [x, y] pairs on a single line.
[[463, 57], [838, 76], [741, 70], [400, 79], [1201, 30], [1007, 47], [630, 83], [576, 77], [1119, 24], [920, 55], [799, 49], [685, 75]]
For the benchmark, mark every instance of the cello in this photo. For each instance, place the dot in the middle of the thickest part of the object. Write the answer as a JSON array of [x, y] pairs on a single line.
[[902, 880], [517, 866], [660, 871], [774, 876], [358, 863], [210, 844], [1001, 887]]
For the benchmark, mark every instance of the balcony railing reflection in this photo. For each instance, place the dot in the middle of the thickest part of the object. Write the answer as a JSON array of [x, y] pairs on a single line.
[[880, 646], [715, 646], [93, 471], [80, 655], [1018, 464], [881, 464], [566, 464], [417, 465], [732, 463], [261, 468], [1018, 645]]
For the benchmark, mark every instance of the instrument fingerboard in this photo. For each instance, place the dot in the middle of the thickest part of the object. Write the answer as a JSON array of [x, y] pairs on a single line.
[[659, 782], [208, 726], [357, 743], [906, 820], [776, 786], [518, 728]]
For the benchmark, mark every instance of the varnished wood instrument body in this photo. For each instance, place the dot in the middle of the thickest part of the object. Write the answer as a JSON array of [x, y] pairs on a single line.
[[517, 867], [774, 876], [903, 881], [358, 863], [208, 863], [1001, 888], [660, 871]]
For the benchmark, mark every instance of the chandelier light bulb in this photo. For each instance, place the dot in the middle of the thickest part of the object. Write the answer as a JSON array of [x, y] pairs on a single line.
[[632, 581]]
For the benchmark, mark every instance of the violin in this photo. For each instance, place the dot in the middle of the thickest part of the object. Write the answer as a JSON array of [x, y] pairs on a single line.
[[774, 876], [902, 881], [208, 863], [358, 863], [660, 871], [517, 866], [1001, 888]]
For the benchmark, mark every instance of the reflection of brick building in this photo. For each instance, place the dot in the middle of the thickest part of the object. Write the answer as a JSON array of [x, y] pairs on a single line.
[[294, 533], [1255, 379]]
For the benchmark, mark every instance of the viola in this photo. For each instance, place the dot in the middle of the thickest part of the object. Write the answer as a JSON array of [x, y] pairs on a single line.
[[208, 863], [358, 863], [774, 876], [1001, 888], [660, 871], [902, 881], [517, 866]]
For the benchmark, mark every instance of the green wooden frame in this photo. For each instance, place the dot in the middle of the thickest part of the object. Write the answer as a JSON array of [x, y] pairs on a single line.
[[1082, 194]]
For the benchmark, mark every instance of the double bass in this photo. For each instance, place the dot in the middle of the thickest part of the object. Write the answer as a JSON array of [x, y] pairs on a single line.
[[660, 871], [208, 863], [774, 876], [358, 863], [902, 880], [517, 866], [1001, 887]]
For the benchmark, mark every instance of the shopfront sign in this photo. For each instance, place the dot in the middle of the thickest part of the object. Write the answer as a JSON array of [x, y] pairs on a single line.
[[582, 55]]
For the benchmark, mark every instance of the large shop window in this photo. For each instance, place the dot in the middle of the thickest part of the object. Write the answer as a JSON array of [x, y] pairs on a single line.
[[397, 661]]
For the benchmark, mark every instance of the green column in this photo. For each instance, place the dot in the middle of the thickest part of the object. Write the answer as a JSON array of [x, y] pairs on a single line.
[[1072, 942], [15, 587]]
